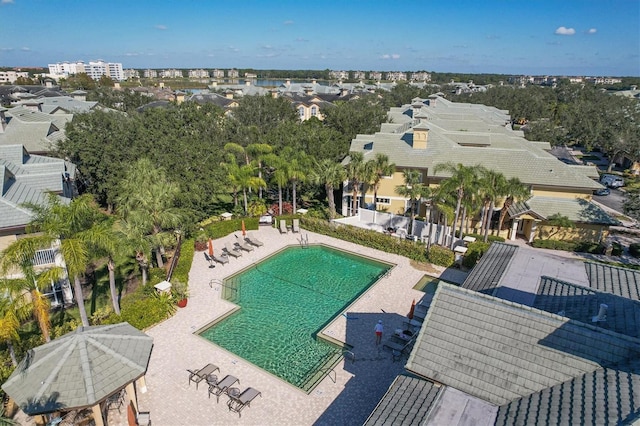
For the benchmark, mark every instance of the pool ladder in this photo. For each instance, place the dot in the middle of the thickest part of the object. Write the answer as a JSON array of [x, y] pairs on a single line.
[[304, 241], [346, 352], [215, 282]]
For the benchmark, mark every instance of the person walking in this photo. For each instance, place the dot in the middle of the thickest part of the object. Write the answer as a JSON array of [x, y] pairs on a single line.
[[378, 329]]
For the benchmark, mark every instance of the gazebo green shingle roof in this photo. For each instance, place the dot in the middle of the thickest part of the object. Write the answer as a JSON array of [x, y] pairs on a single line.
[[79, 369]]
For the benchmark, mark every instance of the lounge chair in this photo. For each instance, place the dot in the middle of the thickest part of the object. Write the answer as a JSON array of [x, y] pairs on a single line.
[[253, 241], [296, 225], [199, 375], [399, 345], [210, 260], [243, 400], [218, 388], [232, 251], [243, 245], [222, 259], [283, 226]]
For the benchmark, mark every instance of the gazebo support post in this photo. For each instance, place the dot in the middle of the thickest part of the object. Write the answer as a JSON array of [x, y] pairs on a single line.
[[97, 415], [131, 393], [141, 384]]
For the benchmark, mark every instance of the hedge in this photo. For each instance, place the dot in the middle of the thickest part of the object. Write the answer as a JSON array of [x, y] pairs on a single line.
[[474, 252], [441, 256], [181, 271], [367, 238]]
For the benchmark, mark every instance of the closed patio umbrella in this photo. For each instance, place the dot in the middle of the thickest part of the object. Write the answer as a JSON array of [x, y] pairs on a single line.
[[210, 247], [244, 230], [413, 308]]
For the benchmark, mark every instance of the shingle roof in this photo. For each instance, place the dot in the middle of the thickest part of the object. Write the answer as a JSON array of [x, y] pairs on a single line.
[[455, 126], [80, 368], [408, 401], [486, 275], [611, 279], [582, 304], [606, 396], [500, 351]]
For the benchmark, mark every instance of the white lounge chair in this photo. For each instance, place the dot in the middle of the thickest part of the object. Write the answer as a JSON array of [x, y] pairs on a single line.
[[253, 241], [221, 259], [296, 225], [283, 226], [232, 251], [243, 400]]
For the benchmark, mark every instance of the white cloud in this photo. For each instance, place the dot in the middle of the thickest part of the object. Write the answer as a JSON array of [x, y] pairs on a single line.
[[390, 56], [161, 27], [592, 31], [289, 22], [25, 49], [6, 1], [6, 49], [565, 31], [301, 40]]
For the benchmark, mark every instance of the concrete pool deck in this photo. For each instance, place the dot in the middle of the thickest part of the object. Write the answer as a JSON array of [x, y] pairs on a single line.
[[358, 385]]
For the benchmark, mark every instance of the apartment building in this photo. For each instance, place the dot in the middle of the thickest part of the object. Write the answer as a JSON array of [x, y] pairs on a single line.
[[131, 73], [397, 76], [149, 73], [94, 69], [198, 73], [171, 73], [359, 75], [421, 76], [216, 73], [339, 75], [11, 76]]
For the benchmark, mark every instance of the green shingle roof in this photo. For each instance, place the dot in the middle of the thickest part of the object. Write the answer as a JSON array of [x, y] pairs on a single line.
[[80, 368], [500, 351]]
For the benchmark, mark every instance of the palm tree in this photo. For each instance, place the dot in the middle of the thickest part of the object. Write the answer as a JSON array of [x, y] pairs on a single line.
[[296, 172], [136, 240], [492, 186], [9, 325], [513, 190], [247, 180], [356, 174], [76, 225], [146, 192], [19, 255], [379, 167], [463, 178], [414, 190], [330, 174]]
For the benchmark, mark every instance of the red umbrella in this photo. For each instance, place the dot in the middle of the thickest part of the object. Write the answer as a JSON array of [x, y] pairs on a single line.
[[413, 307], [210, 247], [244, 230]]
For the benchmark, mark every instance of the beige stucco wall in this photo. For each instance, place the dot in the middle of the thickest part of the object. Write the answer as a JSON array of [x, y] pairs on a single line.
[[582, 232], [571, 194]]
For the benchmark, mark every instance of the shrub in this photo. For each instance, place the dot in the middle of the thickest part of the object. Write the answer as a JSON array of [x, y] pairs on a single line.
[[441, 256], [144, 312], [490, 238], [181, 271], [365, 237], [554, 244], [634, 249], [474, 252]]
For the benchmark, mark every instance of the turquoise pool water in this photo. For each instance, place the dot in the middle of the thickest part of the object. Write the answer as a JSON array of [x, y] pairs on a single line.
[[285, 301]]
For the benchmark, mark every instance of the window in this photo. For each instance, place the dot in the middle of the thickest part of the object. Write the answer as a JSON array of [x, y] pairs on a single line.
[[301, 112], [383, 200], [314, 111]]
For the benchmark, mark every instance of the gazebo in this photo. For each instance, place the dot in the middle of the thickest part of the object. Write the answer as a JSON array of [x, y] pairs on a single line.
[[81, 370]]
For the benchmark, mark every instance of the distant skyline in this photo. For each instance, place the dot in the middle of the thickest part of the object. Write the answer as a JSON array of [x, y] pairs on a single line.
[[543, 37]]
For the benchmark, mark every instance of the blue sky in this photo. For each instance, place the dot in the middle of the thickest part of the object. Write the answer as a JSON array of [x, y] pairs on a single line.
[[555, 37]]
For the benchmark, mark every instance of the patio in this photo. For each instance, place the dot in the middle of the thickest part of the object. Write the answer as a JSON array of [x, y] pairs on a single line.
[[358, 385]]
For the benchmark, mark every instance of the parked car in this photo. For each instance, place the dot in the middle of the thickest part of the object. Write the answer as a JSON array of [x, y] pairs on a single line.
[[612, 181], [602, 191]]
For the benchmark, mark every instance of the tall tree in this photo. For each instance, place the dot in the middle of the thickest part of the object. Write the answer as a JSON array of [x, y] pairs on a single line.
[[356, 174], [513, 190], [414, 190], [76, 225], [379, 167], [462, 180], [9, 325], [26, 290], [146, 193], [297, 174], [330, 174], [279, 167]]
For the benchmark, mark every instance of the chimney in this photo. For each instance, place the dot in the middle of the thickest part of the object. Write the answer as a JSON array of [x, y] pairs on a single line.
[[420, 136], [602, 313], [3, 120]]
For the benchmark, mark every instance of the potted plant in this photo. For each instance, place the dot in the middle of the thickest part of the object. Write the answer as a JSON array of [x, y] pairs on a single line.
[[180, 291], [201, 240]]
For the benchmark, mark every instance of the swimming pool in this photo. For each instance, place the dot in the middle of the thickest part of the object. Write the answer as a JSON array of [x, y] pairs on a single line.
[[284, 302]]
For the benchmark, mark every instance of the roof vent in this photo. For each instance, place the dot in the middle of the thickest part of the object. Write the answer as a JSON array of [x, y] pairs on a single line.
[[602, 313]]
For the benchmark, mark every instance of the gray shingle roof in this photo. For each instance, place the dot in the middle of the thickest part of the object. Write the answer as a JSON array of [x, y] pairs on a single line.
[[499, 351], [606, 396], [620, 281], [408, 401], [80, 368], [486, 275], [582, 304]]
